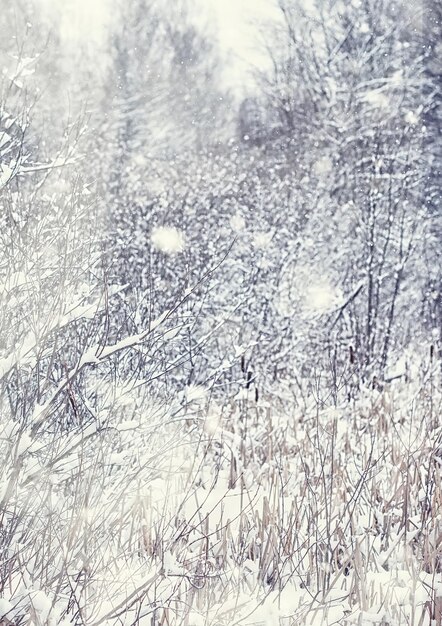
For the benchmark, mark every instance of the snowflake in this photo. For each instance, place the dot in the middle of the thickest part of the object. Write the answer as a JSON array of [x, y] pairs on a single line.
[[237, 223], [167, 239]]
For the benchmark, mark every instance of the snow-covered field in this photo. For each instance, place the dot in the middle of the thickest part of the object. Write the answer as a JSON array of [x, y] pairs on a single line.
[[247, 515], [220, 314]]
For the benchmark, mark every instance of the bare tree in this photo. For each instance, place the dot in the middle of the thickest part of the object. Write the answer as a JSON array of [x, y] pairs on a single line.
[[350, 104]]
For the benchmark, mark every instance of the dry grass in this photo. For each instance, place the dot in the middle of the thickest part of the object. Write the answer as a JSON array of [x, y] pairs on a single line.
[[340, 509]]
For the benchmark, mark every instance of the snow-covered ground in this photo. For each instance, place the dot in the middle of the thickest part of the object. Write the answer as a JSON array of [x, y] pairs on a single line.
[[247, 516]]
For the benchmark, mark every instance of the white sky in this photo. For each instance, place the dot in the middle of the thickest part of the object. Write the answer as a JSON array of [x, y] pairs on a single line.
[[86, 21], [238, 30]]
